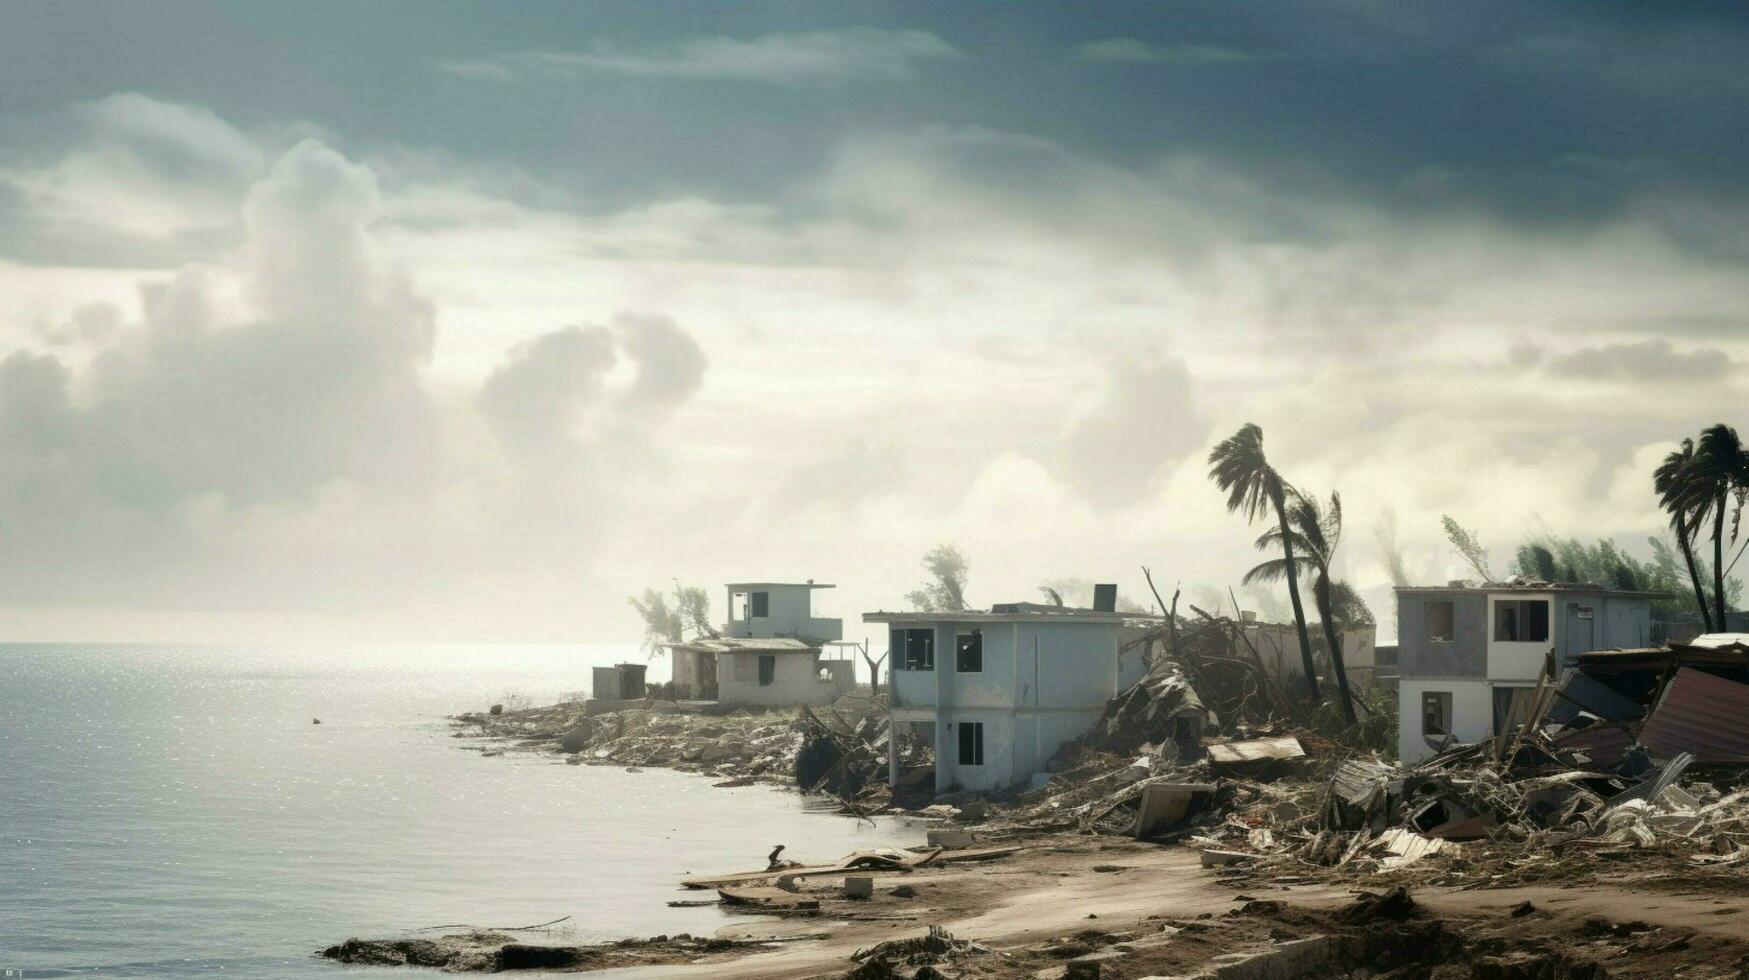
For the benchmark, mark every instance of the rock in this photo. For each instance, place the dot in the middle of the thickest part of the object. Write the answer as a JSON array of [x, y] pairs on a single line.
[[520, 956], [496, 709], [575, 740]]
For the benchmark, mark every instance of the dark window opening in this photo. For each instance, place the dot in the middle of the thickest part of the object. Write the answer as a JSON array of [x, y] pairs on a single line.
[[759, 605], [969, 652], [1522, 621], [1441, 620], [1436, 714], [971, 743], [767, 669], [916, 648]]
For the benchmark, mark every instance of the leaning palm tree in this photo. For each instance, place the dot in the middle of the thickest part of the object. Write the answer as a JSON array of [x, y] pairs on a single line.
[[1239, 468], [1315, 533], [1719, 470], [1672, 479]]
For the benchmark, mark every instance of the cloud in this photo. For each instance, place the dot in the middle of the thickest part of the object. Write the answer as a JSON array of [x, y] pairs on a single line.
[[1653, 359], [779, 58], [1133, 51], [1141, 417], [143, 178], [263, 434]]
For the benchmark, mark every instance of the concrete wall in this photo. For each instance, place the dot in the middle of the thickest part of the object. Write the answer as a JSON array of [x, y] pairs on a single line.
[[1278, 644], [795, 680], [789, 613], [1472, 713], [1466, 655], [1042, 684], [1519, 660]]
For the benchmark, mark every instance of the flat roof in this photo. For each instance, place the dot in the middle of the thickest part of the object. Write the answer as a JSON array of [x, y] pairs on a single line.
[[1499, 587], [741, 644], [971, 616], [773, 585]]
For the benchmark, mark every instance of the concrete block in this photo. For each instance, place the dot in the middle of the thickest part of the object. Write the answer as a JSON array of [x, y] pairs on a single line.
[[858, 886], [950, 837]]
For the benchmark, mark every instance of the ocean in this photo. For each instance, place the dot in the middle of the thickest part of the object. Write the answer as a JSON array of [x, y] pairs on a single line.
[[172, 812]]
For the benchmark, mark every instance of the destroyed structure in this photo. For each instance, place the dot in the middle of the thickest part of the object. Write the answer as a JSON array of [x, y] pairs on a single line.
[[773, 652], [996, 693], [1469, 655]]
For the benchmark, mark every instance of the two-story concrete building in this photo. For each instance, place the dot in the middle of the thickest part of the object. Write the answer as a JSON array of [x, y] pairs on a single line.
[[771, 652], [1469, 655], [997, 693]]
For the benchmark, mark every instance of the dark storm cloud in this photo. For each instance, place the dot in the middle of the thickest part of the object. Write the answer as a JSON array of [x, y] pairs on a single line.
[[1535, 112]]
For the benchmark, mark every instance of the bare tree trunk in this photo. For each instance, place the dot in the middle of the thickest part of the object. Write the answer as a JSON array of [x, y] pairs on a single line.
[[1293, 594], [1682, 540], [1321, 592], [1719, 566]]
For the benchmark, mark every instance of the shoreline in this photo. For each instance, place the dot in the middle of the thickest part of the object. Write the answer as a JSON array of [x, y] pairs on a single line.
[[1005, 899]]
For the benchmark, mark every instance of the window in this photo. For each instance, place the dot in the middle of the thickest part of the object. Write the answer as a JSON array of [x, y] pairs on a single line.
[[1436, 714], [759, 605], [1441, 620], [915, 648], [969, 652], [767, 669], [971, 743], [1522, 620]]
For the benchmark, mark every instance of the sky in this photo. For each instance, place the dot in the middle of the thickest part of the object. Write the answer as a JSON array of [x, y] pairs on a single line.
[[436, 321]]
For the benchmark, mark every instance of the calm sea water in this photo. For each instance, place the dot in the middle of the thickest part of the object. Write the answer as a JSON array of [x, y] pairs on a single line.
[[170, 812]]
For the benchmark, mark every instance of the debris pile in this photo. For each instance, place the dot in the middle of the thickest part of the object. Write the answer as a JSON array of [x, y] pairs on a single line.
[[844, 755], [1601, 767]]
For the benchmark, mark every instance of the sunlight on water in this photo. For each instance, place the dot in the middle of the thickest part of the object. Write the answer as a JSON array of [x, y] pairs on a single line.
[[173, 811]]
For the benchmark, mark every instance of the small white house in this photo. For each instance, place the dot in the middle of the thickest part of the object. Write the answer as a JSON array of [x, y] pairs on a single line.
[[997, 693], [1469, 655], [777, 672], [771, 651]]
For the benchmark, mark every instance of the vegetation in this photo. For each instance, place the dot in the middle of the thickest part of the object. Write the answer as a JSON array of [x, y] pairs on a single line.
[[1706, 480], [1315, 531], [1253, 487], [668, 617], [1468, 546], [946, 589]]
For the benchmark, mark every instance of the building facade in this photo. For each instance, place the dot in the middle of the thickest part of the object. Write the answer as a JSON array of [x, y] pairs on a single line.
[[762, 610], [771, 673], [997, 693], [1469, 656], [772, 652]]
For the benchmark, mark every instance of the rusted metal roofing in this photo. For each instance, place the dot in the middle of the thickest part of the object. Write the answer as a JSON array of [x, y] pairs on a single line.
[[1703, 714]]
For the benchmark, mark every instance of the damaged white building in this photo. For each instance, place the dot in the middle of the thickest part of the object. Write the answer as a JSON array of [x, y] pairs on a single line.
[[997, 693], [773, 651], [1470, 655]]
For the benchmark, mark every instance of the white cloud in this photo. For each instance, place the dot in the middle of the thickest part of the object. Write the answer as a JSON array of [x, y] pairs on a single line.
[[780, 58], [262, 434], [1129, 50]]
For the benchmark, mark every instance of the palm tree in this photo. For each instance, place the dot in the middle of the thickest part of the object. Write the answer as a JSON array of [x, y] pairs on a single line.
[[1239, 468], [1315, 534], [1672, 480], [1719, 469]]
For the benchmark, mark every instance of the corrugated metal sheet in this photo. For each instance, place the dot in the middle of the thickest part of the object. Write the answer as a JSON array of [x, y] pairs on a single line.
[[1702, 714], [1602, 744], [1582, 692]]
